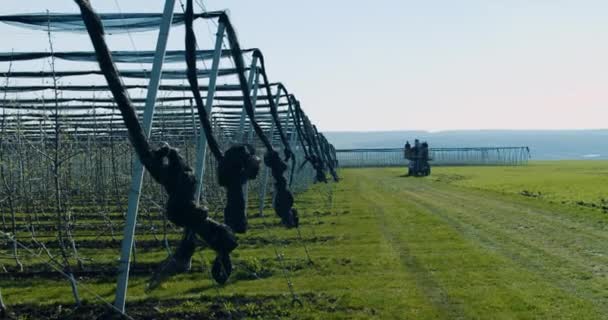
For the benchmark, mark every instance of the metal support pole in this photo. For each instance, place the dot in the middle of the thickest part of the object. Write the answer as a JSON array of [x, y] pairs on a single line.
[[252, 74], [294, 136], [293, 140], [201, 148], [286, 124], [266, 172], [254, 99], [138, 169]]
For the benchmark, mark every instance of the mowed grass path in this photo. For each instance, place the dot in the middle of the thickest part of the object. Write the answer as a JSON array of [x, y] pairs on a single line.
[[390, 247], [557, 181], [472, 253]]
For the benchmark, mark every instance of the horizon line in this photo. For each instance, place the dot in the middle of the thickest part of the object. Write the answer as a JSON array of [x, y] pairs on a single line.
[[457, 130]]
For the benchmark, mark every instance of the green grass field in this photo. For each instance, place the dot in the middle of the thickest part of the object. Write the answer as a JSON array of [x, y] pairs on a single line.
[[466, 243]]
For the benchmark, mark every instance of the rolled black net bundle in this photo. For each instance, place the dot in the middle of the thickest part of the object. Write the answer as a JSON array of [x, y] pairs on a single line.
[[167, 167], [283, 197], [307, 140], [180, 184], [239, 165], [326, 153]]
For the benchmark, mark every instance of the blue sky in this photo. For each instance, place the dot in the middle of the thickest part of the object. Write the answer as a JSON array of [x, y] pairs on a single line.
[[400, 64]]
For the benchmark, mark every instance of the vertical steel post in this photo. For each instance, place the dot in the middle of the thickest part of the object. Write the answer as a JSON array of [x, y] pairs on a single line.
[[138, 169], [286, 127], [249, 138], [201, 148], [266, 172], [294, 136], [293, 140], [254, 101], [252, 73]]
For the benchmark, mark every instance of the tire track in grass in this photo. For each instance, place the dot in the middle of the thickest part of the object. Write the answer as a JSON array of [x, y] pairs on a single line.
[[437, 281], [544, 250], [578, 246], [422, 277], [550, 233], [521, 250], [554, 229], [514, 290], [493, 199], [413, 293]]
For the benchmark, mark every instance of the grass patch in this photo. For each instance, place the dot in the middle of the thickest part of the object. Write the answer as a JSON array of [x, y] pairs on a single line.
[[464, 243]]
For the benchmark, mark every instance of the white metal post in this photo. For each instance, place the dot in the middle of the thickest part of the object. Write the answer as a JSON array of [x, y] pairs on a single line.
[[254, 101], [295, 148], [293, 139], [249, 137], [252, 73], [138, 169], [266, 172], [202, 142], [290, 143], [294, 136]]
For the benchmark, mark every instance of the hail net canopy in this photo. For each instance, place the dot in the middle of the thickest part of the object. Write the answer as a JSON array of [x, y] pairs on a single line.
[[52, 83]]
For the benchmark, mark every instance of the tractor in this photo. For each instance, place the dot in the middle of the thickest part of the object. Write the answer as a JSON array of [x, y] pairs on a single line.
[[418, 157]]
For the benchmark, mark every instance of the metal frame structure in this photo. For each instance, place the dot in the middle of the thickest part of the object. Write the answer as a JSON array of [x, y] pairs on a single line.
[[138, 171], [393, 157], [202, 142], [93, 119]]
